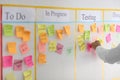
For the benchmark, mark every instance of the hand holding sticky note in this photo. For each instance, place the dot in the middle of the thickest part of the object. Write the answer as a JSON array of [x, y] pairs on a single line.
[[8, 30], [67, 30], [59, 34], [7, 61], [41, 28], [28, 61], [42, 58], [52, 46], [19, 31], [24, 48], [51, 30], [27, 75], [93, 27], [11, 47], [81, 28]]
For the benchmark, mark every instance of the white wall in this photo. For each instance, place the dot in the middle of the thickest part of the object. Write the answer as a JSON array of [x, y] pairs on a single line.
[[68, 3]]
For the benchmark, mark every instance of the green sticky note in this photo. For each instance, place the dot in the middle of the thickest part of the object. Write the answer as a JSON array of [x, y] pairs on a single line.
[[52, 46], [41, 28], [107, 27], [8, 30], [51, 30], [86, 35], [10, 76]]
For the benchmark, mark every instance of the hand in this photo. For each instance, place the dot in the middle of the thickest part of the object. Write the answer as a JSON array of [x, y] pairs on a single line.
[[95, 44]]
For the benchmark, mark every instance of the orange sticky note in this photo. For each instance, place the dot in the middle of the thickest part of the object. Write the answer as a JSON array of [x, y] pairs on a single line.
[[26, 36], [59, 34], [43, 38], [93, 27], [11, 46], [19, 31], [81, 28], [42, 58], [112, 27], [67, 30]]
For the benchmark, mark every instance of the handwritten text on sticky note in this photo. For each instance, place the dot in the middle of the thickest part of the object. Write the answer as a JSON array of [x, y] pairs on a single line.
[[26, 36], [41, 28], [24, 48], [52, 46], [43, 38], [59, 48], [19, 31], [17, 65], [7, 61], [51, 30], [11, 47], [27, 75], [28, 61], [42, 58], [8, 30]]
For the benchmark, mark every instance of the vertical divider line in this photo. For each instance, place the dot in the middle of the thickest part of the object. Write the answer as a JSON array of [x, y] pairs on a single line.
[[35, 44], [75, 45], [103, 70]]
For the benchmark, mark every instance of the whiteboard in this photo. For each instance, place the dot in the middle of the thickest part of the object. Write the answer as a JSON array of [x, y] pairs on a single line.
[[28, 25], [58, 67]]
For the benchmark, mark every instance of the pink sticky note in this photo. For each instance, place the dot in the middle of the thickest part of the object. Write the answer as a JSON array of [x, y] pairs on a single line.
[[59, 48], [117, 28], [28, 61], [89, 46], [100, 29], [108, 38], [17, 65], [41, 47], [7, 61], [24, 48]]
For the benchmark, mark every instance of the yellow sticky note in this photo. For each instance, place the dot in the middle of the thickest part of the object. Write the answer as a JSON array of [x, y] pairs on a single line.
[[27, 75], [67, 30], [81, 28], [112, 27], [93, 27], [101, 41], [42, 58], [43, 38], [52, 46], [80, 39], [10, 76], [82, 46], [11, 46], [115, 78], [59, 34], [19, 31], [26, 36], [41, 28]]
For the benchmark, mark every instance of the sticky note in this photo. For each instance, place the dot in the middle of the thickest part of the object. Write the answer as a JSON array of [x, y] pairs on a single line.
[[52, 46], [80, 39], [8, 30], [11, 47], [42, 58], [67, 30], [82, 46], [108, 38], [26, 36], [19, 30], [51, 30], [69, 50], [107, 27], [7, 61], [101, 41], [10, 76], [43, 38], [41, 28], [81, 28], [86, 35], [24, 48], [117, 28], [59, 34], [89, 46], [59, 48], [100, 29], [28, 61], [93, 27], [41, 47], [17, 65], [27, 75], [112, 27]]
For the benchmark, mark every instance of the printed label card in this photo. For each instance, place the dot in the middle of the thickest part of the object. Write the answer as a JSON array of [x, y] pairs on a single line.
[[17, 65], [7, 61], [28, 61]]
